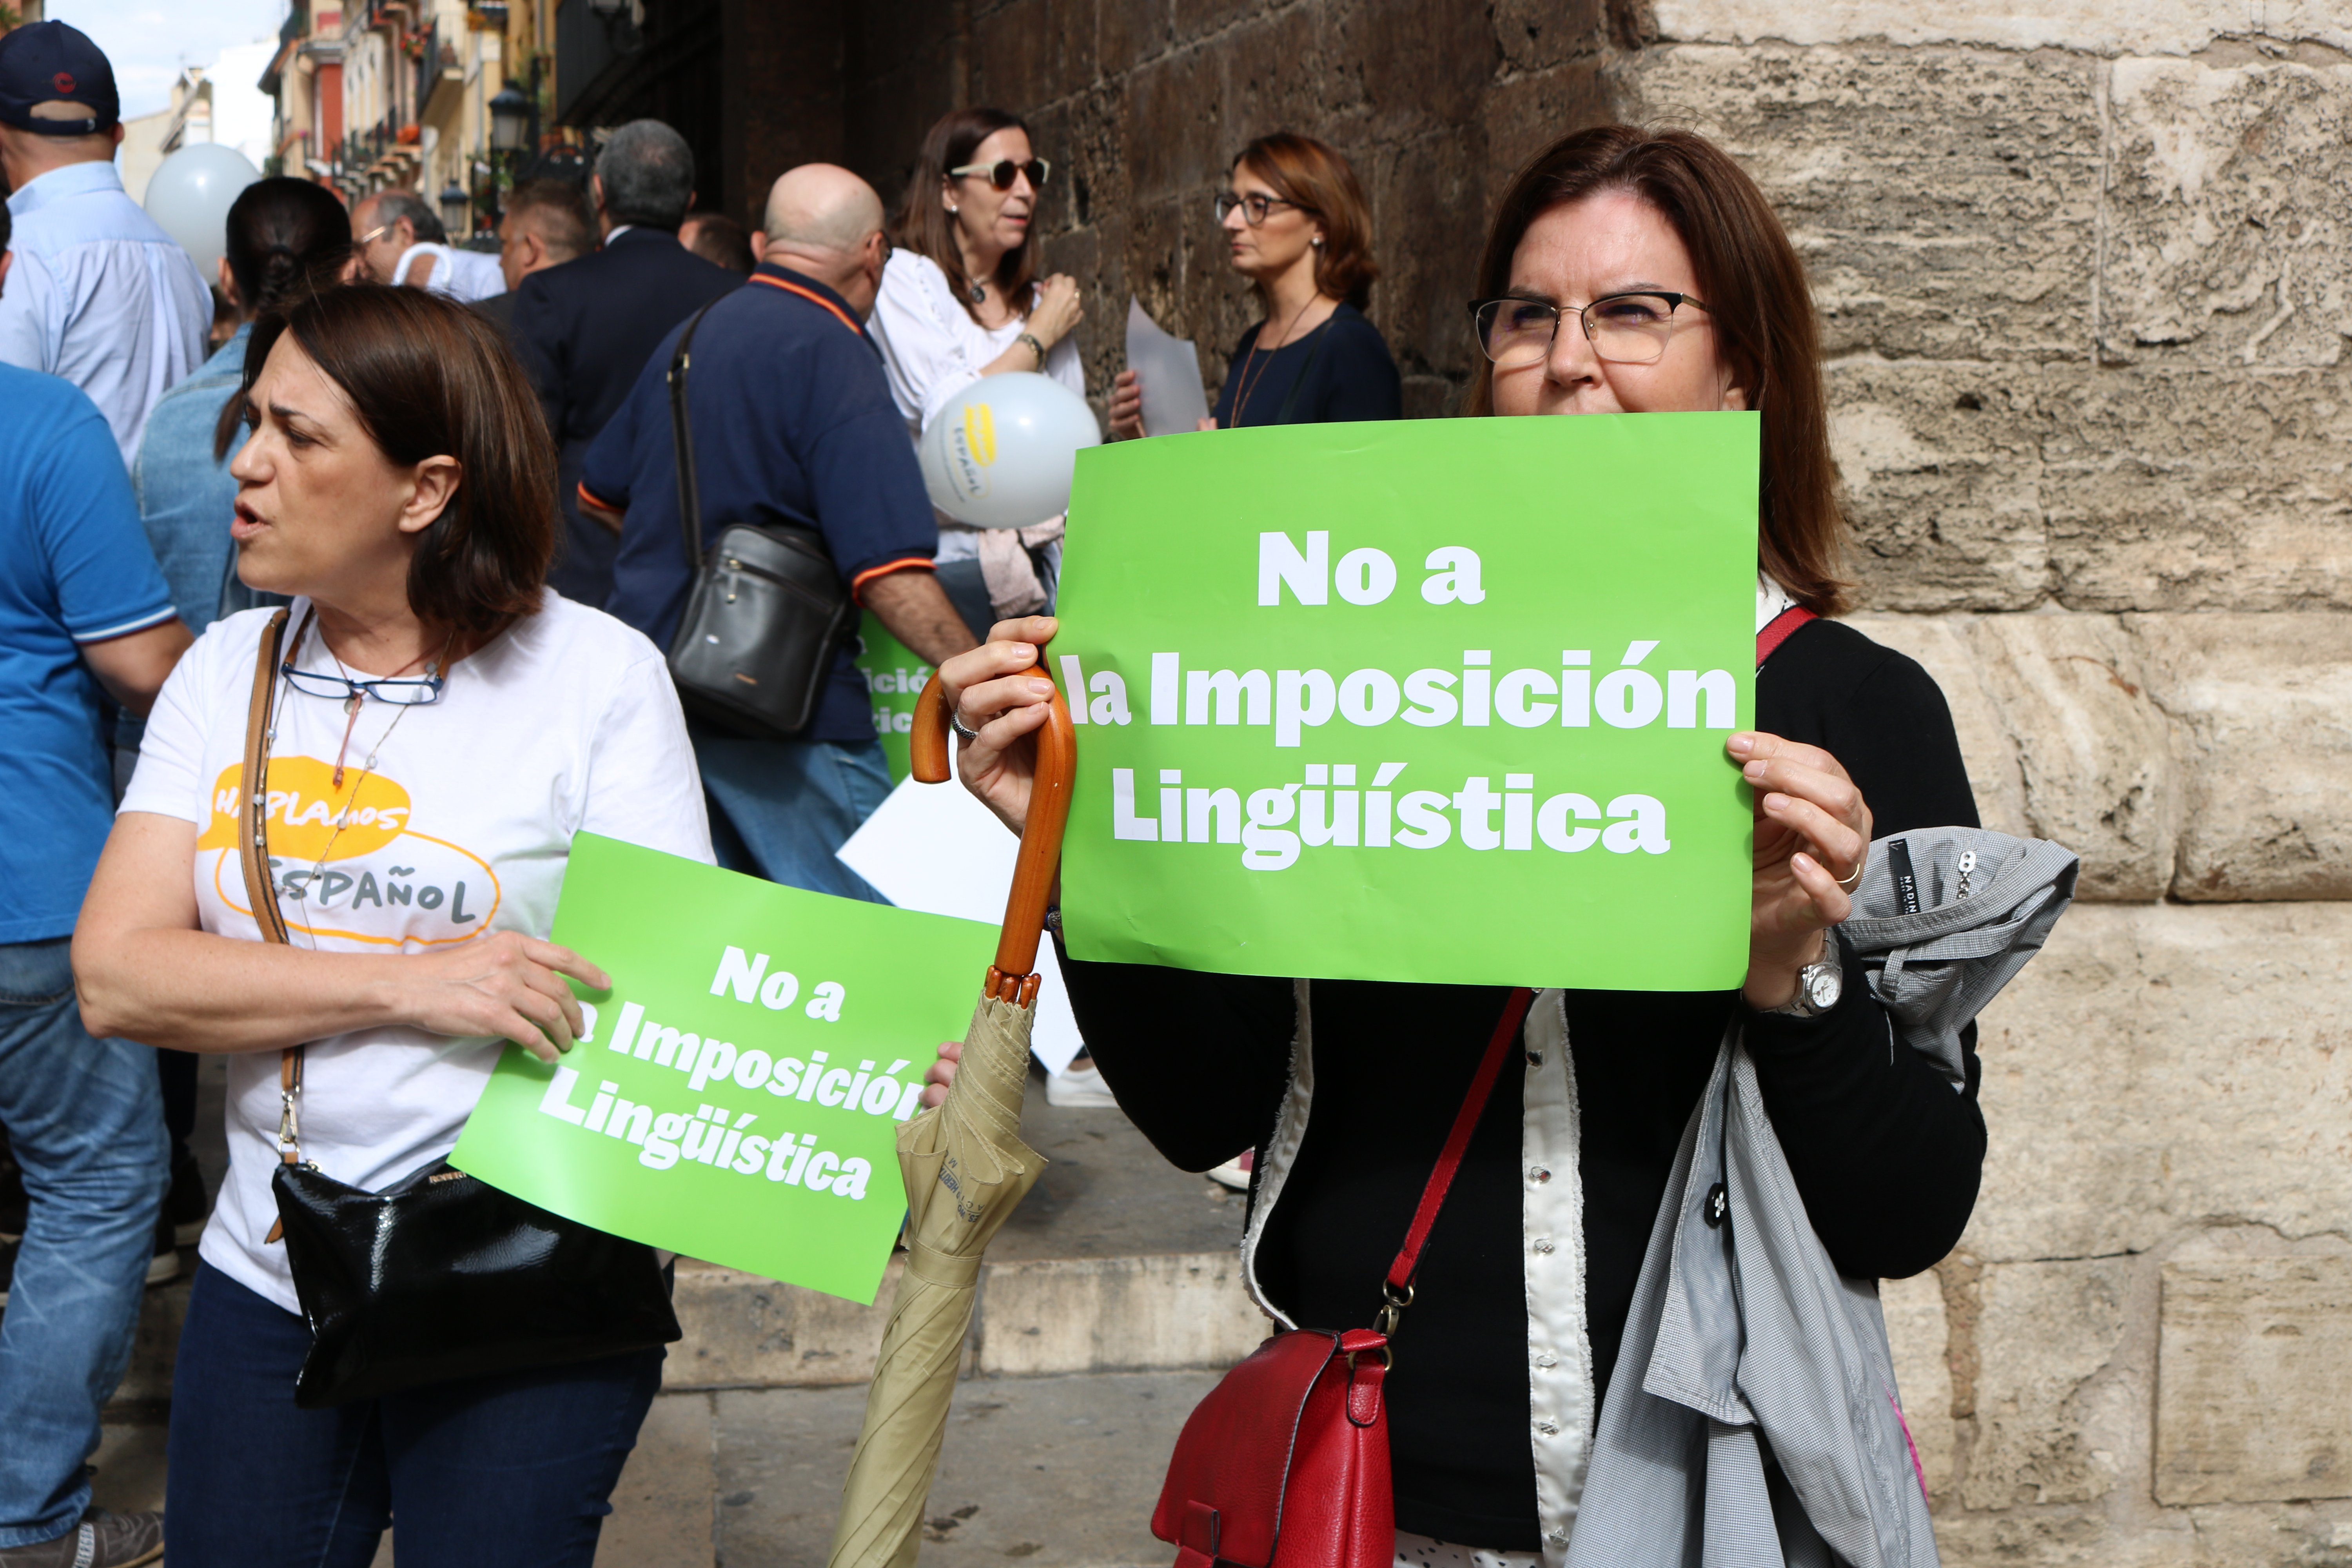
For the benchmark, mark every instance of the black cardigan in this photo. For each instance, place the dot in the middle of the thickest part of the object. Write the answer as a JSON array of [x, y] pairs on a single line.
[[1884, 1154], [1342, 372]]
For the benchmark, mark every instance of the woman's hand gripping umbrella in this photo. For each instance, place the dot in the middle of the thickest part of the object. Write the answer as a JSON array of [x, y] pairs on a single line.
[[966, 1171]]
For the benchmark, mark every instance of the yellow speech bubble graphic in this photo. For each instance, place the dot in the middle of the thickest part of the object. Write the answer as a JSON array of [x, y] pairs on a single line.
[[305, 810]]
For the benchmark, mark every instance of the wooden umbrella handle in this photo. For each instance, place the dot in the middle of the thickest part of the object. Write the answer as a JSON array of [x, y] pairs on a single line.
[[1013, 977]]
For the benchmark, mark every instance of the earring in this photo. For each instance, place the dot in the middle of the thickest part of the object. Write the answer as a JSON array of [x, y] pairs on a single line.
[[953, 211], [1317, 242]]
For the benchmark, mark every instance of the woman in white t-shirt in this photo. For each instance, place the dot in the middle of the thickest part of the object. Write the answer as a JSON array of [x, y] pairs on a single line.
[[959, 300], [445, 728]]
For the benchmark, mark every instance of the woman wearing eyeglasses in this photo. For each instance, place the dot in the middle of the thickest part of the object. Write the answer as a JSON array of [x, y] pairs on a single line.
[[1296, 226], [439, 728], [1627, 271], [960, 299]]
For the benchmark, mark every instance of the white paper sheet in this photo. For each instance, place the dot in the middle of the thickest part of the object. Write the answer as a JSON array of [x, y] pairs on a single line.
[[1171, 372], [933, 848]]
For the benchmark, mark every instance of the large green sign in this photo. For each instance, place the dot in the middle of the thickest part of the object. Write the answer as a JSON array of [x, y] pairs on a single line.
[[738, 1093], [1441, 700]]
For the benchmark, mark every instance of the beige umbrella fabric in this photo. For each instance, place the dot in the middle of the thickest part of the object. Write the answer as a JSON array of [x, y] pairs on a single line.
[[966, 1170]]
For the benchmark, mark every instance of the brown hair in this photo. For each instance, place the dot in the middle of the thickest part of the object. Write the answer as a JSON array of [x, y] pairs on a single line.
[[928, 229], [428, 377], [1320, 181], [1757, 299], [559, 210]]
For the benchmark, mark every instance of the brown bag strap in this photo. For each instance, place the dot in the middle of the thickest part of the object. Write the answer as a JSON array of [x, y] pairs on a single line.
[[253, 851]]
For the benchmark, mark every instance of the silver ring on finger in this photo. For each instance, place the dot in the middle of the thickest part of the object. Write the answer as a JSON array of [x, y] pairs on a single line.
[[1849, 884], [955, 722]]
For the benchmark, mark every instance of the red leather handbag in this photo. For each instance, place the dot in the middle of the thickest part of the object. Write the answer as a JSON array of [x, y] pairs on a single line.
[[1285, 1463]]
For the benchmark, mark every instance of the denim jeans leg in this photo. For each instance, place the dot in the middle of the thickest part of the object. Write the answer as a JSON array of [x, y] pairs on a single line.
[[86, 1119], [790, 805], [253, 1481]]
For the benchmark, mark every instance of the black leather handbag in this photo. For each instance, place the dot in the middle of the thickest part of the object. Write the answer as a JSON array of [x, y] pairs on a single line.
[[767, 611], [442, 1276]]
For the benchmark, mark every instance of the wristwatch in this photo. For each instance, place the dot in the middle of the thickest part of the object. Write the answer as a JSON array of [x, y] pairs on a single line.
[[1818, 985]]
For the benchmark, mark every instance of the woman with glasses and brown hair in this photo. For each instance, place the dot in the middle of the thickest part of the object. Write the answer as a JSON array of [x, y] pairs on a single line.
[[1627, 271], [960, 299], [434, 729], [1296, 226]]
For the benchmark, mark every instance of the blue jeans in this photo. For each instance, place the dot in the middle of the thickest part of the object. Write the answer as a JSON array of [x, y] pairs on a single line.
[[779, 809], [86, 1119], [511, 1471]]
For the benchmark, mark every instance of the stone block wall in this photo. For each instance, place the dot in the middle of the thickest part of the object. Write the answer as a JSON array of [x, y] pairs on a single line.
[[2085, 268], [2086, 287]]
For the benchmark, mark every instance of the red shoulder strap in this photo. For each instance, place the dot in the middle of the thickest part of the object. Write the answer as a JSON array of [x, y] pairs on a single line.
[[1778, 629], [1465, 1121]]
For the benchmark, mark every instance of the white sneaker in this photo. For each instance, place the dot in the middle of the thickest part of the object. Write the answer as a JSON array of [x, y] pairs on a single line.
[[1234, 1173], [1081, 1088]]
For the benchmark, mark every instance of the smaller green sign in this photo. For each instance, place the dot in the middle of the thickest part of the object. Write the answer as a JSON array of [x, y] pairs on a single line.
[[894, 676], [737, 1095]]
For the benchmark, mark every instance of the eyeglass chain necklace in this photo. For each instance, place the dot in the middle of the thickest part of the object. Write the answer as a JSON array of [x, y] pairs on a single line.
[[367, 769], [1249, 383]]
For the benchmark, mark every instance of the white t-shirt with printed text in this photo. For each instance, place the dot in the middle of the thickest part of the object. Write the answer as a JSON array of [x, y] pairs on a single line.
[[565, 722]]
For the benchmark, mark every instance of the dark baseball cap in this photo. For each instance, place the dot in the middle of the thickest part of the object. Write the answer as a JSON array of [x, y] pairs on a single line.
[[48, 62]]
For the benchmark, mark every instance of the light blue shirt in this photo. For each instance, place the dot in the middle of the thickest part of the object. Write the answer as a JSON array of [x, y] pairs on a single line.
[[99, 295]]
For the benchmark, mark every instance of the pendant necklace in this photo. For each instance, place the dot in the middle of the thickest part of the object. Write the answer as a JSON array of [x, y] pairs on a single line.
[[979, 292], [1249, 384]]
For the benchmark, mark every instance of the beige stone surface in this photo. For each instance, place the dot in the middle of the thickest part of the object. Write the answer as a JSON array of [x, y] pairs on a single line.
[[2254, 1380], [1117, 1314], [1989, 751], [2093, 749], [2227, 241], [1922, 1373], [2044, 1331], [662, 1508], [2263, 714], [1945, 201], [2162, 1066], [2099, 26], [742, 1331]]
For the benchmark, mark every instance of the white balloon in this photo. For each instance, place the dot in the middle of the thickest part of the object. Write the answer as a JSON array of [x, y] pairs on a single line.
[[190, 195], [1001, 454]]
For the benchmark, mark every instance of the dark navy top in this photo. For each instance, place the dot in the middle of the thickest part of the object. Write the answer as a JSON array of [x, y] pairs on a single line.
[[793, 424], [1346, 369]]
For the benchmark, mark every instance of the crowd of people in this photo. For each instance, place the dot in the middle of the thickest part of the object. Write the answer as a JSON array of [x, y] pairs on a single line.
[[417, 527]]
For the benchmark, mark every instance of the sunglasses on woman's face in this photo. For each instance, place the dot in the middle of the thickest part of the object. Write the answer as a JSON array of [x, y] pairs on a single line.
[[1005, 171]]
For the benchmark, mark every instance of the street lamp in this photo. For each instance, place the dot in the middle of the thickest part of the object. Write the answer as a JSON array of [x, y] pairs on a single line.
[[511, 117], [454, 200]]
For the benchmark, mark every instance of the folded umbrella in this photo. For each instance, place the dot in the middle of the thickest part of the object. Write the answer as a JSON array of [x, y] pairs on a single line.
[[966, 1171]]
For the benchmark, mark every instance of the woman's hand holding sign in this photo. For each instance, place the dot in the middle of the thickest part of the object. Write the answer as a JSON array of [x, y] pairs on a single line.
[[999, 697], [1813, 830]]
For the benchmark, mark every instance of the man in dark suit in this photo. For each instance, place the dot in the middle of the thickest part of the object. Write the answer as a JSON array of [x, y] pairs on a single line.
[[585, 329], [546, 224]]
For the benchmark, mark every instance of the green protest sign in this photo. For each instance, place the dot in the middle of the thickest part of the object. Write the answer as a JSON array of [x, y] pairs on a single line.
[[738, 1094], [894, 676], [1441, 700]]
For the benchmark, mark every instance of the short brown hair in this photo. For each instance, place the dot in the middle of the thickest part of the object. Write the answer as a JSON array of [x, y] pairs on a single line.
[[1322, 182], [559, 210], [1757, 298], [429, 377], [924, 227]]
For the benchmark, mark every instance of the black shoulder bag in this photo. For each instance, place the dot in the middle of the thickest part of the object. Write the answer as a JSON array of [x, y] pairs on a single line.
[[766, 610], [440, 1277]]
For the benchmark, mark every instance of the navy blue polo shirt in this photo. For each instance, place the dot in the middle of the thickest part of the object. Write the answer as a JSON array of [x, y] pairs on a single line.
[[793, 424]]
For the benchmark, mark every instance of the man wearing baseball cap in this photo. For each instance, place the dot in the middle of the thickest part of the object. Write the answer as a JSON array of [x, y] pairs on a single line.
[[99, 295]]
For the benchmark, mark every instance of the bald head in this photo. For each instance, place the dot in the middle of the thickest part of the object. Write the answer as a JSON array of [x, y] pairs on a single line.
[[821, 207], [826, 223]]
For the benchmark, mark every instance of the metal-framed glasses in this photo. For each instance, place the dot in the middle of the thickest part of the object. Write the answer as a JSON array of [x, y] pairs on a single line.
[[1005, 171], [1623, 329], [413, 691], [1254, 206]]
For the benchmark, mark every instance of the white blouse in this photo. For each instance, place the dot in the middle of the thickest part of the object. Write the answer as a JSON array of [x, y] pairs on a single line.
[[932, 349]]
